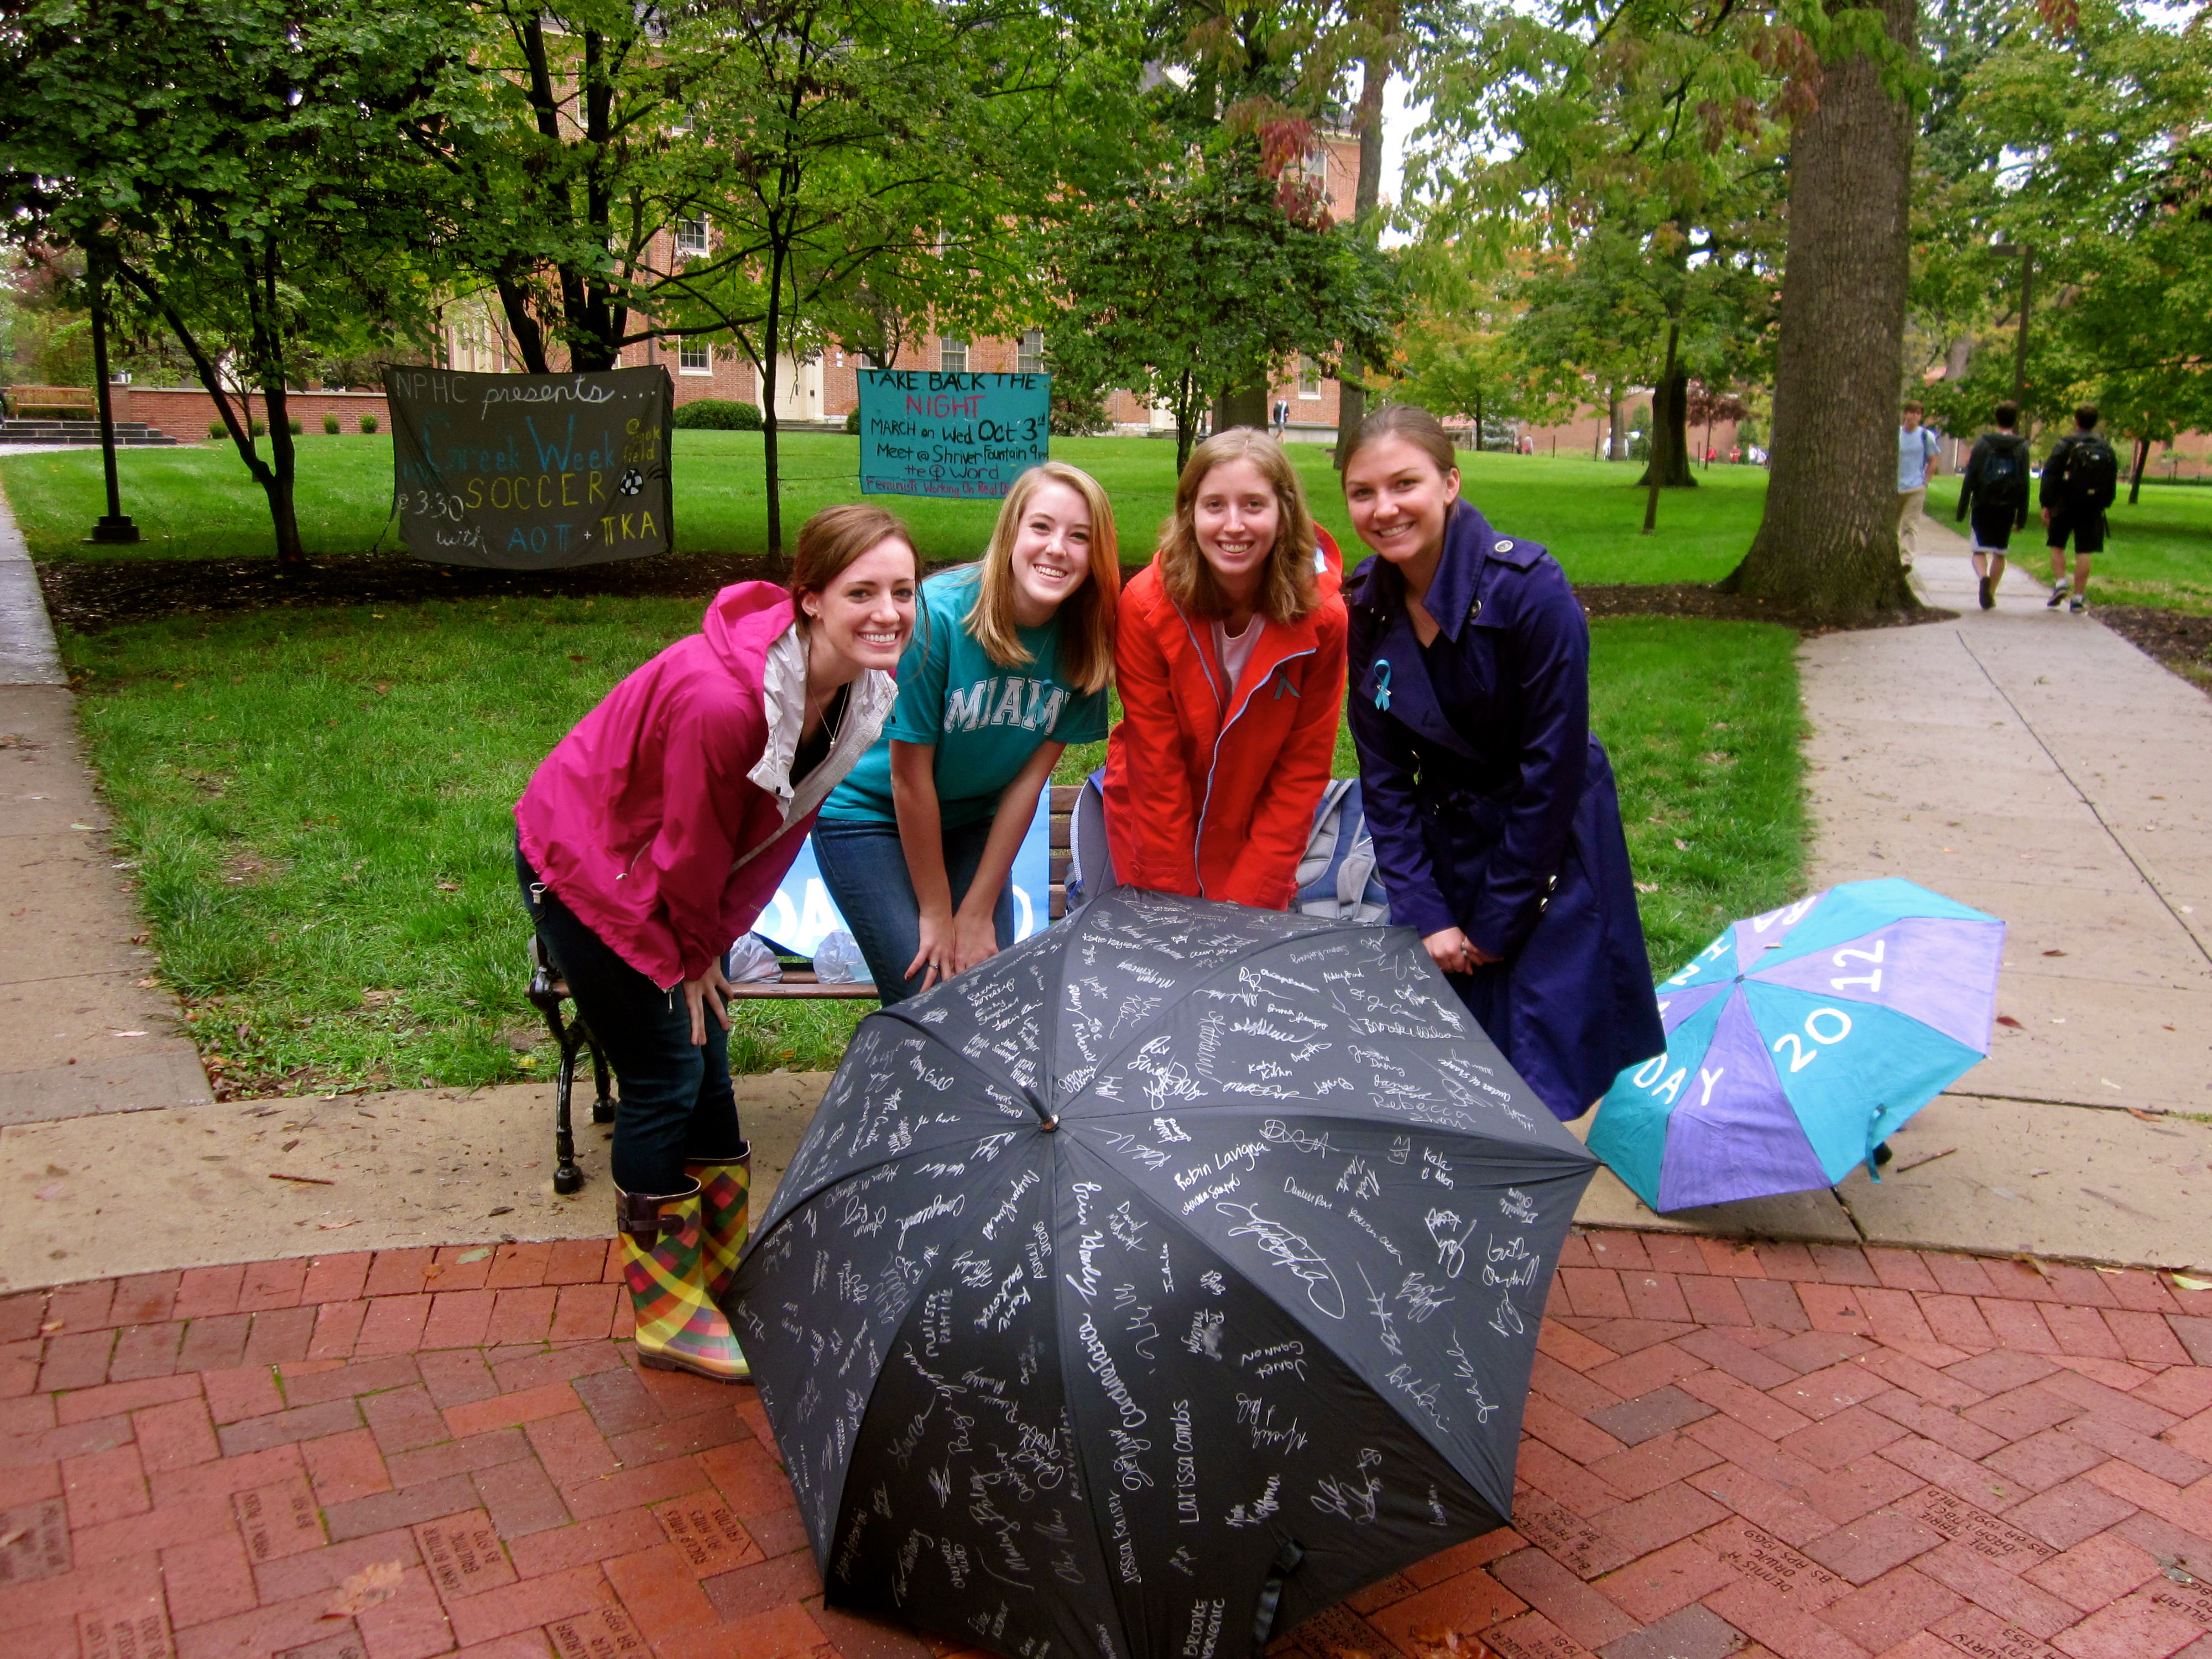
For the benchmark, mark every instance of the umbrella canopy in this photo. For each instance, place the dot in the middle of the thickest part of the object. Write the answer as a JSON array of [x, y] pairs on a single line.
[[1157, 1283], [1798, 1041]]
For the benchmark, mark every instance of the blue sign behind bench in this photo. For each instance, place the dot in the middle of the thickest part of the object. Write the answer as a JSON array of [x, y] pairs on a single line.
[[964, 436]]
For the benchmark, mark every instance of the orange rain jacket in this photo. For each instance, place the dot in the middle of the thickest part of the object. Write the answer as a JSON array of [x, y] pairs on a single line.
[[1211, 792]]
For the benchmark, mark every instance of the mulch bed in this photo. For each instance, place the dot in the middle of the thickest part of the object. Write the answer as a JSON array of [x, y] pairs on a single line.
[[1691, 599], [86, 595], [2179, 640]]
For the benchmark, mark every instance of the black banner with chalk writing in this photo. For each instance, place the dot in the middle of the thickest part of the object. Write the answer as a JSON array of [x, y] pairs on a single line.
[[531, 472]]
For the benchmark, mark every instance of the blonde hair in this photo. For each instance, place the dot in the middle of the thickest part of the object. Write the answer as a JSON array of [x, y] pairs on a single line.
[[1286, 587], [830, 542], [1086, 635]]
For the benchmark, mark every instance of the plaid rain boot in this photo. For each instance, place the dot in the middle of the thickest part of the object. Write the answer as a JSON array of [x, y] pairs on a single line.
[[678, 1327], [726, 1196]]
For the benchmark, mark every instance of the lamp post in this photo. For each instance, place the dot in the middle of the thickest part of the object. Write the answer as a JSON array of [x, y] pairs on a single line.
[[115, 529]]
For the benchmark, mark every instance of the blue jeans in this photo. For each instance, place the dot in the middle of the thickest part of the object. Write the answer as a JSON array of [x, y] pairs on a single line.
[[676, 1101], [864, 866]]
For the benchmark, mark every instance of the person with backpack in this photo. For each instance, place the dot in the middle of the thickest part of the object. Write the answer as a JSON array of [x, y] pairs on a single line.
[[1229, 659], [1917, 454], [1994, 491], [1496, 823], [2080, 476]]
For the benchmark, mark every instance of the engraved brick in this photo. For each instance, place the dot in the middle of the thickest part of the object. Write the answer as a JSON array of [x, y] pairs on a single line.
[[131, 1631], [38, 1544], [463, 1554], [1584, 1547], [1981, 1634], [1761, 1557], [279, 1520], [1993, 1539], [707, 1535], [601, 1633]]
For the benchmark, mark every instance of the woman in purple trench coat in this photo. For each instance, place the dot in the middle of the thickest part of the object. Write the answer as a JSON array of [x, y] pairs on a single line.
[[1497, 829]]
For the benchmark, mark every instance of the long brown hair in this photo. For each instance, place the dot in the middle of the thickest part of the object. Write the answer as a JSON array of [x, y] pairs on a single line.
[[1286, 587], [1412, 423], [833, 539], [1086, 636]]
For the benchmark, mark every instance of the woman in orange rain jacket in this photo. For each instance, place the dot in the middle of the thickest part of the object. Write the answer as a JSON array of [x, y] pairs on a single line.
[[1229, 659]]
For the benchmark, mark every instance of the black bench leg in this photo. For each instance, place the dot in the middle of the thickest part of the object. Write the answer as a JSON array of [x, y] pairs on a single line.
[[603, 1108], [568, 1038]]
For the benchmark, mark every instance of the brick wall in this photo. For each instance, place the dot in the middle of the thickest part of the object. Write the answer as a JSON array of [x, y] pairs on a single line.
[[184, 412]]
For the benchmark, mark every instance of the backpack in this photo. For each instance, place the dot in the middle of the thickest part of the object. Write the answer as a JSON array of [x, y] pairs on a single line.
[[2004, 474], [1336, 877], [2092, 473]]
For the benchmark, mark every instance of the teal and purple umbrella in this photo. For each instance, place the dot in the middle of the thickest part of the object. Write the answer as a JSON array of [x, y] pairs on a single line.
[[1798, 1041]]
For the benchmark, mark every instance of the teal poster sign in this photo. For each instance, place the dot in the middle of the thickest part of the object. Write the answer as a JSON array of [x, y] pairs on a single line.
[[963, 435]]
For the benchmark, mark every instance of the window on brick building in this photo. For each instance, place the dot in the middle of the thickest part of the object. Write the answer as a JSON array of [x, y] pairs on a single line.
[[1030, 359], [952, 355], [691, 235], [694, 357], [1308, 378]]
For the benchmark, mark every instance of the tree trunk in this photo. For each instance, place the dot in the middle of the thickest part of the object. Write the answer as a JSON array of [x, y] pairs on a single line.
[[1243, 405], [1668, 466], [1828, 543], [1655, 470], [1366, 201], [1616, 440], [2134, 475]]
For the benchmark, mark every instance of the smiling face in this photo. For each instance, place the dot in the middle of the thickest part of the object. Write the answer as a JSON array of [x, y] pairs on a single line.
[[1235, 517], [864, 617], [1397, 500], [1051, 553]]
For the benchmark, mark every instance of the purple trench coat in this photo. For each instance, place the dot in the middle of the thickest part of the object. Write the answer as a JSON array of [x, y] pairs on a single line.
[[1492, 807]]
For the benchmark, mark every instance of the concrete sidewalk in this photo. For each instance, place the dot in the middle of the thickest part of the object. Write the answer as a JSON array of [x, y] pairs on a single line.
[[2038, 766]]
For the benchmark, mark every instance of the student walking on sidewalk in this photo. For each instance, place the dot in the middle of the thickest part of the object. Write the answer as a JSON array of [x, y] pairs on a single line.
[[1918, 453], [650, 838], [1994, 492], [2079, 478]]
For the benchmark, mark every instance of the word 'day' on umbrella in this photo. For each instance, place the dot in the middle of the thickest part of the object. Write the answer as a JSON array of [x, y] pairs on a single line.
[[1799, 1040], [1157, 1283]]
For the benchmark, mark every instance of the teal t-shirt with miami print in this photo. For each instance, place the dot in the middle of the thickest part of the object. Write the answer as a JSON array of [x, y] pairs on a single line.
[[985, 720]]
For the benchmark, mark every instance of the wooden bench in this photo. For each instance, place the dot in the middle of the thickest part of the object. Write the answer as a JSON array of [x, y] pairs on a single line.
[[547, 992], [798, 979]]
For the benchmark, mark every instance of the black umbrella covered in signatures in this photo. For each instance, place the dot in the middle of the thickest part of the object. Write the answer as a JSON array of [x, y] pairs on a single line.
[[1157, 1283]]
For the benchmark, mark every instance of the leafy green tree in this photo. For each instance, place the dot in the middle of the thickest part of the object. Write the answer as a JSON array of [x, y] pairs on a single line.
[[228, 164], [1191, 282]]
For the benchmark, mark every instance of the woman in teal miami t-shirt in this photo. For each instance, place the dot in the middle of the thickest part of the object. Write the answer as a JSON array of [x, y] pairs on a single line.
[[1008, 666]]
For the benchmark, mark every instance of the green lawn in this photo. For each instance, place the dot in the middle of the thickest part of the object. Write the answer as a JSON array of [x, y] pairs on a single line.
[[197, 502], [316, 806], [2157, 552]]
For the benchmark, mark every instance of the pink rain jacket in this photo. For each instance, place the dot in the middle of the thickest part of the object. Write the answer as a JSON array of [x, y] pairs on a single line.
[[642, 817]]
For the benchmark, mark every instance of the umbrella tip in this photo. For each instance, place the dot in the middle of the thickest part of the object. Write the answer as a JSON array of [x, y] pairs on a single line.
[[1049, 1124]]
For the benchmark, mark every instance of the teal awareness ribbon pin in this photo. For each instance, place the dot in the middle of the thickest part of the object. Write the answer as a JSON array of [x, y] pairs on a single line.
[[1382, 684]]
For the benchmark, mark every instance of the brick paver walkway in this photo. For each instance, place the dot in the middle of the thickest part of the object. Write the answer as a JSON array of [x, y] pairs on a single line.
[[1815, 1455]]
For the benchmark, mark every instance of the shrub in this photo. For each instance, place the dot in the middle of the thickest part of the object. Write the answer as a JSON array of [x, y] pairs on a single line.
[[853, 421], [293, 427], [256, 427], [216, 430], [369, 423], [717, 415], [330, 425]]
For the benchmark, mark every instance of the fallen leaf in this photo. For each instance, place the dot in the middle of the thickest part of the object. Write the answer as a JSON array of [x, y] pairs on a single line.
[[379, 1582], [504, 1209], [51, 1325], [114, 1033], [288, 1146], [305, 1181], [2007, 1019], [2186, 1282], [2108, 1082], [477, 1254], [1681, 845], [449, 887], [1647, 886], [332, 1227], [2137, 1111], [2054, 953]]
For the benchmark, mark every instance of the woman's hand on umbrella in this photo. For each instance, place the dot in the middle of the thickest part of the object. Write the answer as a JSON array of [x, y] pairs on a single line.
[[1454, 952], [938, 956], [975, 938], [710, 989]]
